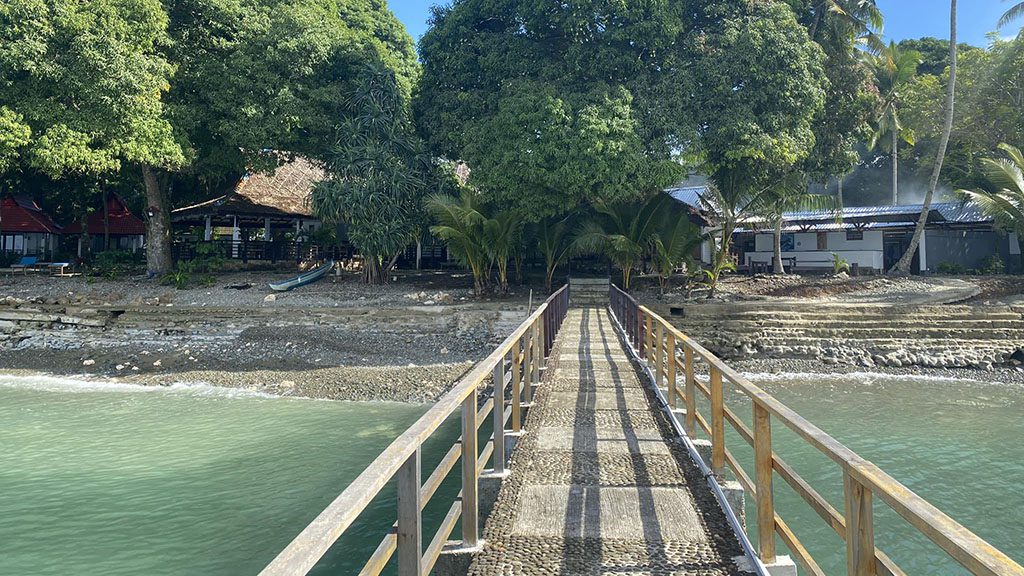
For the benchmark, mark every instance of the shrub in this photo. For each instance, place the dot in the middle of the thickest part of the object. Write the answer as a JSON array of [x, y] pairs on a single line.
[[839, 265], [114, 263], [992, 266], [178, 278], [951, 268], [8, 258]]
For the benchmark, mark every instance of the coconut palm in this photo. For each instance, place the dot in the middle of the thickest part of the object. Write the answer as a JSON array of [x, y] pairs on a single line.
[[673, 245], [627, 233], [840, 21], [1015, 12], [1005, 201], [503, 237], [893, 68], [789, 195], [903, 266]]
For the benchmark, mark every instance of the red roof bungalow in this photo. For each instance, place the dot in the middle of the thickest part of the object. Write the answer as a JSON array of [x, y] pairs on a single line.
[[25, 228], [124, 229]]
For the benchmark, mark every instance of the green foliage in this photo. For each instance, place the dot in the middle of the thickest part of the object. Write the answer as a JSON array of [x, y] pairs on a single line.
[[992, 265], [556, 105], [9, 258], [82, 85], [480, 237], [379, 173], [179, 278], [1016, 12], [951, 268], [893, 68], [554, 240], [628, 233], [839, 264], [112, 264], [1004, 198]]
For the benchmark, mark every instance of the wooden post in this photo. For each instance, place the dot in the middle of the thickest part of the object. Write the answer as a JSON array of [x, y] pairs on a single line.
[[640, 333], [717, 422], [498, 455], [659, 355], [470, 504], [860, 531], [517, 387], [410, 529], [691, 391], [673, 387], [538, 352], [648, 336], [528, 365], [763, 482]]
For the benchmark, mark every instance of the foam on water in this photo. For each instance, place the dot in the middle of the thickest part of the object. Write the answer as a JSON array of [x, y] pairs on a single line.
[[84, 385]]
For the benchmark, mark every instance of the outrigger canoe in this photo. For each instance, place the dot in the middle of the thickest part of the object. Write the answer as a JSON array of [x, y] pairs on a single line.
[[304, 278]]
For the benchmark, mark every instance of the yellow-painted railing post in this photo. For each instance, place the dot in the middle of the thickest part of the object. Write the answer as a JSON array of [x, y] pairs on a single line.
[[517, 387], [691, 391], [763, 482], [673, 386], [409, 540], [528, 365], [538, 352], [860, 529], [717, 422], [648, 337], [470, 506]]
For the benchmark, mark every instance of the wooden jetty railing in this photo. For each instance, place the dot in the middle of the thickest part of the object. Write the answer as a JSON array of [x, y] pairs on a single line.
[[517, 363], [671, 354]]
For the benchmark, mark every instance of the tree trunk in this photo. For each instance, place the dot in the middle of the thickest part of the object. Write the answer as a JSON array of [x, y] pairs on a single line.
[[777, 267], [895, 168], [373, 274], [903, 266], [419, 254], [106, 224], [158, 224], [839, 191]]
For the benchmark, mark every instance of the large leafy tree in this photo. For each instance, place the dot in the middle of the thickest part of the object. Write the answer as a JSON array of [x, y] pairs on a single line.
[[254, 75], [81, 85], [554, 105], [760, 87], [893, 68], [379, 174]]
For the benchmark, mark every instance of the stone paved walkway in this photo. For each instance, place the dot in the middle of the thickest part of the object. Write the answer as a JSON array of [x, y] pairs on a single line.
[[599, 484]]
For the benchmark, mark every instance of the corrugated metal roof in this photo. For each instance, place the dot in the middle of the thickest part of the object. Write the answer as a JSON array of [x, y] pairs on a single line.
[[689, 195], [962, 212], [941, 212]]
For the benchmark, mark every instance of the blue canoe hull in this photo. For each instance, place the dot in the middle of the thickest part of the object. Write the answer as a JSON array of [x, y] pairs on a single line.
[[304, 278]]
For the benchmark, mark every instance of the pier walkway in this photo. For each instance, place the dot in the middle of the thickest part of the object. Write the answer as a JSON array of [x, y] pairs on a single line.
[[600, 483]]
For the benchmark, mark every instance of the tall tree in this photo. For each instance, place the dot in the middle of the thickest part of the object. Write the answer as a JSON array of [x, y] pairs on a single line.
[[379, 174], [81, 84], [557, 105], [260, 75], [760, 86], [903, 266], [893, 69]]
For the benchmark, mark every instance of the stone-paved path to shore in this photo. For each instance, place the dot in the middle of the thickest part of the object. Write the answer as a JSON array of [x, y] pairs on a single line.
[[599, 483]]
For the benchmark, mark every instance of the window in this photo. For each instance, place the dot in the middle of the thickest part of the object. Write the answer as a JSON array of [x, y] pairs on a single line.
[[822, 241], [788, 242], [854, 235]]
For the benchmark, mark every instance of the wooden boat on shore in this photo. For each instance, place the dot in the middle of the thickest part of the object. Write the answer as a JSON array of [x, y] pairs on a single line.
[[304, 278]]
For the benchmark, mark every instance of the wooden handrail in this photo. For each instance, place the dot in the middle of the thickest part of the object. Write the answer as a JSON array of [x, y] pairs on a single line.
[[401, 458], [863, 481]]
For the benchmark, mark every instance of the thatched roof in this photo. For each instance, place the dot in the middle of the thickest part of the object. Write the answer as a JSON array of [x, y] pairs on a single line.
[[284, 193]]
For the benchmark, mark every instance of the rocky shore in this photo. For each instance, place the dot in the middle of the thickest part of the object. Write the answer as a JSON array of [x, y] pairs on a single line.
[[1001, 374]]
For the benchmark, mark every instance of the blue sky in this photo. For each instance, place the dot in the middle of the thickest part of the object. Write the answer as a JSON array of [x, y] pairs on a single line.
[[904, 18]]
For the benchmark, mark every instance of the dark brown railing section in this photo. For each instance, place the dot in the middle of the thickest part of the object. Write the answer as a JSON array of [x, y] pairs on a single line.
[[668, 352], [517, 363]]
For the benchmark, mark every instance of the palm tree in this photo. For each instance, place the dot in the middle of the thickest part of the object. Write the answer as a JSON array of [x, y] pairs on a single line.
[[554, 241], [673, 245], [893, 69], [627, 233], [503, 237], [790, 195], [1014, 13], [1005, 203], [839, 21], [903, 266], [460, 224]]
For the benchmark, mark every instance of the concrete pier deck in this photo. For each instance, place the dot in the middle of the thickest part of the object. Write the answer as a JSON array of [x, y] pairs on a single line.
[[600, 485]]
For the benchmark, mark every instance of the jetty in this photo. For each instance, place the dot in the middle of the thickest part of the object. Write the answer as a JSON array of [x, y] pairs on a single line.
[[584, 451]]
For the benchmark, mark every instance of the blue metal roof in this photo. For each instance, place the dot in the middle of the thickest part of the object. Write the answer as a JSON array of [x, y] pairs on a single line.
[[689, 195], [941, 212]]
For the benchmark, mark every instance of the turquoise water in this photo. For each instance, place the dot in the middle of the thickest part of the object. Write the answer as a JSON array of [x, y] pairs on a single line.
[[100, 479], [957, 443]]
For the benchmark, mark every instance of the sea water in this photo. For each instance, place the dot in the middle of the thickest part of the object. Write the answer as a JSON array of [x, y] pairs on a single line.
[[958, 443], [108, 479]]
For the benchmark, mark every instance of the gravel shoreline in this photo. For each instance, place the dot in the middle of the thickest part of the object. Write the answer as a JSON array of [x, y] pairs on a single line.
[[1001, 375]]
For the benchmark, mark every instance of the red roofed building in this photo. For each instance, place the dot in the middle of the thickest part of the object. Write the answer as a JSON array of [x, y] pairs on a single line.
[[25, 228], [124, 229]]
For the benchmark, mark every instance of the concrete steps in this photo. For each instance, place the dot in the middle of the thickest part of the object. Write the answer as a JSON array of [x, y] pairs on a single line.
[[589, 292]]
